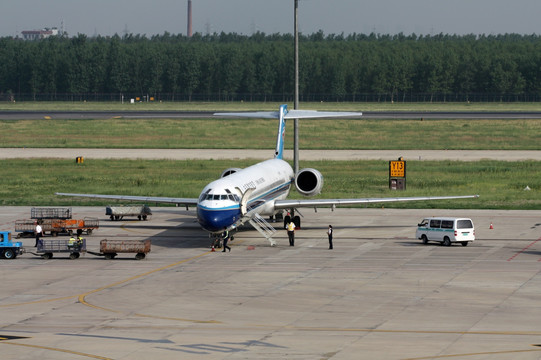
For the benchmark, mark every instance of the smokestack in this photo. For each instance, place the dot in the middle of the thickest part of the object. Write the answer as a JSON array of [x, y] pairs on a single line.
[[189, 18]]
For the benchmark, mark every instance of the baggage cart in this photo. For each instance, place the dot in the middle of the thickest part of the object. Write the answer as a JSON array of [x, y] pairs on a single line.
[[50, 213], [118, 212], [111, 248], [47, 248], [54, 227], [78, 226]]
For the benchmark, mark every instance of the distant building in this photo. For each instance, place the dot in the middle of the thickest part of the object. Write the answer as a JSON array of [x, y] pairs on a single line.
[[39, 34]]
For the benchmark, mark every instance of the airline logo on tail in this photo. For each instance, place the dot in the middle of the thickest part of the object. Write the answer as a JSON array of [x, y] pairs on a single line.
[[279, 152]]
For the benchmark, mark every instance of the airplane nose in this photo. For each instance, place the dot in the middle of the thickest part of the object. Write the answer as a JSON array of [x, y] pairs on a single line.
[[216, 220]]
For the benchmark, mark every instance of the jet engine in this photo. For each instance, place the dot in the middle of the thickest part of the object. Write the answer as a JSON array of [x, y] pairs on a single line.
[[309, 182], [229, 171]]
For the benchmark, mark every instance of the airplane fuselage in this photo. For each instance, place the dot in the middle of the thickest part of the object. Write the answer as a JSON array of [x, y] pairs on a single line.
[[229, 201]]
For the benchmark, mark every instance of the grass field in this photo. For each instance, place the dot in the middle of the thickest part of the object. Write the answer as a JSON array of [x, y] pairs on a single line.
[[500, 184], [261, 134]]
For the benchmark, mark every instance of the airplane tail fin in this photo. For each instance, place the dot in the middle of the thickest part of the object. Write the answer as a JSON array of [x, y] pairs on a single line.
[[279, 151]]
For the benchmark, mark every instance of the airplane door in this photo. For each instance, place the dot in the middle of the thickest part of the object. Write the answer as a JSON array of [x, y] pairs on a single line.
[[244, 201]]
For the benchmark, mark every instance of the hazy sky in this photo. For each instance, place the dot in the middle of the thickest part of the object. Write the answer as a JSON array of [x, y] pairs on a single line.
[[107, 17]]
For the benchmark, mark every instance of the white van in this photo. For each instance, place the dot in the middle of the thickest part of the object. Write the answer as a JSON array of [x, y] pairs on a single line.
[[446, 230]]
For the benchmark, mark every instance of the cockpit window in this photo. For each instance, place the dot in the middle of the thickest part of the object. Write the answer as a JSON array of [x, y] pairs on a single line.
[[205, 195], [221, 197]]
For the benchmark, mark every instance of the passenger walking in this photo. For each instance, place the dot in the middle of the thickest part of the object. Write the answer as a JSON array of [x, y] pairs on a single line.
[[291, 233], [329, 233]]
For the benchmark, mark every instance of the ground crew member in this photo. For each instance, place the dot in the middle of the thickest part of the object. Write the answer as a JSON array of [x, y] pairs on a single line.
[[39, 232], [291, 233], [225, 238], [329, 233], [71, 242]]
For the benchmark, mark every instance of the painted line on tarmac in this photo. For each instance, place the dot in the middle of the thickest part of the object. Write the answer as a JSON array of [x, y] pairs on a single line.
[[474, 354], [523, 250], [179, 319], [125, 228], [40, 301], [444, 332], [502, 333], [82, 297], [57, 350]]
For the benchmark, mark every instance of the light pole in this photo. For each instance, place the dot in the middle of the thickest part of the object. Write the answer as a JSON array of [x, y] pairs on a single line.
[[296, 101]]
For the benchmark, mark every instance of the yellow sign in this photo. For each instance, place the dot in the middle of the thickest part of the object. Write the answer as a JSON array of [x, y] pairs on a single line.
[[397, 168]]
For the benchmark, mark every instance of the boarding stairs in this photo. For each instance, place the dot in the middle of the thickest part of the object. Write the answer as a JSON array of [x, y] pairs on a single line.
[[264, 228]]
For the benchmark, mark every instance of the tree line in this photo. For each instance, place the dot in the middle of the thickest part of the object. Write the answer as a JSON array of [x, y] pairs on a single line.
[[260, 67]]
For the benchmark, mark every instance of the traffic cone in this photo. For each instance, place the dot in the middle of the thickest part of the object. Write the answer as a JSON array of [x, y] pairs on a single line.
[[212, 250], [491, 227]]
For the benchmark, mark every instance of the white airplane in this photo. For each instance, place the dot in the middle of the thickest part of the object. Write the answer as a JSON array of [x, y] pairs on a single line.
[[246, 195]]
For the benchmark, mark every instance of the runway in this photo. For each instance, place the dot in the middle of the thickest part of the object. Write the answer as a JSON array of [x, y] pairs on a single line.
[[380, 294]]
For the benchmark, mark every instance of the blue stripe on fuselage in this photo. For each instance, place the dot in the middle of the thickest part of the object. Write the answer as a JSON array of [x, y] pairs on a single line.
[[268, 196]]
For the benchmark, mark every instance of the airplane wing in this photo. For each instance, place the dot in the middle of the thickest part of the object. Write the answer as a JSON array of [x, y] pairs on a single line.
[[286, 204], [155, 199]]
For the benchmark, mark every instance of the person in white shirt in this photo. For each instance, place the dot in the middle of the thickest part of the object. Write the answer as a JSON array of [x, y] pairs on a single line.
[[39, 232]]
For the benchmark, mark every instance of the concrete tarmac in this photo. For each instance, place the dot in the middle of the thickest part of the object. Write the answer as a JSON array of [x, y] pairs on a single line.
[[380, 294]]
